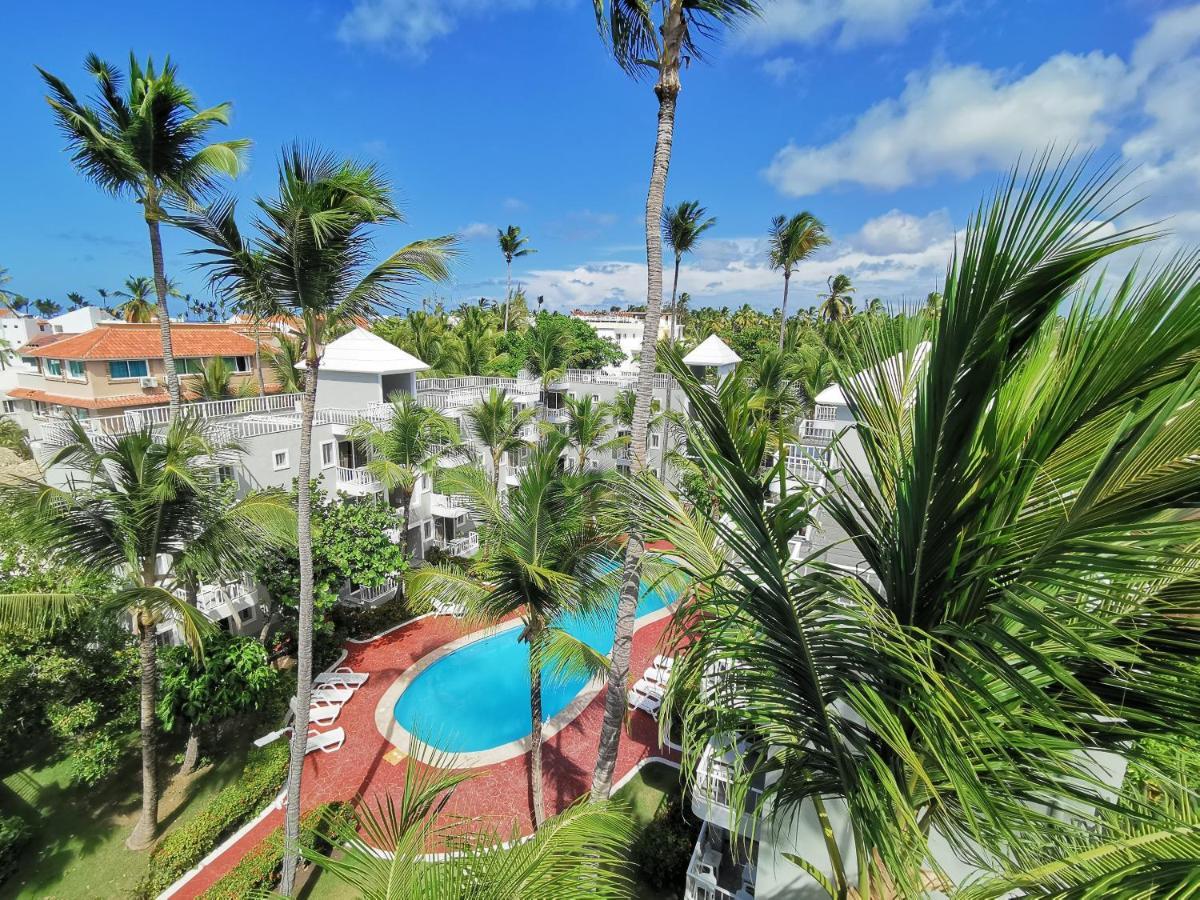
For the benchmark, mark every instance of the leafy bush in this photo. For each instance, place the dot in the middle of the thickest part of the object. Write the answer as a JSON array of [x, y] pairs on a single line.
[[14, 834], [260, 867], [364, 622], [95, 759], [663, 849], [182, 848]]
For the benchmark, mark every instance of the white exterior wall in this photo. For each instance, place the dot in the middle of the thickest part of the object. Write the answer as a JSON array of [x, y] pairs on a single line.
[[351, 390], [77, 321]]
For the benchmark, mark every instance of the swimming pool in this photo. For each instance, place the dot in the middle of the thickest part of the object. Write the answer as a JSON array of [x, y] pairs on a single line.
[[477, 697]]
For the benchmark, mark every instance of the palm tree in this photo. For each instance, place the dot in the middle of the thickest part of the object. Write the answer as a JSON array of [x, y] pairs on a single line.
[[406, 447], [777, 397], [310, 261], [541, 556], [933, 306], [1021, 498], [586, 428], [549, 351], [146, 142], [496, 423], [283, 360], [512, 245], [77, 299], [836, 305], [579, 854], [14, 438], [146, 498], [140, 305], [214, 381], [682, 226], [47, 307], [791, 241]]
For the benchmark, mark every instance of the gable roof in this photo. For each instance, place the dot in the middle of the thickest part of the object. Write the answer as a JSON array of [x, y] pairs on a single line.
[[362, 351], [123, 341], [712, 352]]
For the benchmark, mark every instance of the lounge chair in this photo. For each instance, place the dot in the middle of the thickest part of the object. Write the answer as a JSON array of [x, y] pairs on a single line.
[[326, 741], [664, 662], [649, 688], [648, 705], [350, 681], [657, 675], [443, 608], [321, 713], [328, 693]]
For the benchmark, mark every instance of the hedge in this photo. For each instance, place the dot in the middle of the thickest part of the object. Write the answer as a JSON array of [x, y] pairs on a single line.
[[14, 835], [183, 848], [259, 868]]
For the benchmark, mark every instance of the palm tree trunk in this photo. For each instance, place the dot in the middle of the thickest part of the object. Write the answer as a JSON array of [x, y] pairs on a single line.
[[147, 826], [406, 517], [262, 382], [787, 277], [667, 90], [304, 636], [507, 294], [536, 789], [191, 754], [662, 449], [164, 316]]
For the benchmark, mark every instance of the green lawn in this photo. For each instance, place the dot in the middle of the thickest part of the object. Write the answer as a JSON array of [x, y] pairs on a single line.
[[78, 847]]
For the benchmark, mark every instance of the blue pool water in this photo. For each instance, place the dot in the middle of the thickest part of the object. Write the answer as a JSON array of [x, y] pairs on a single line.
[[477, 697]]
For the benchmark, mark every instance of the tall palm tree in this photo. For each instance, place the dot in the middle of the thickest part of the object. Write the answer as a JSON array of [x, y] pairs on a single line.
[[579, 854], [778, 398], [1021, 496], [549, 351], [512, 245], [406, 447], [541, 556], [282, 360], [496, 423], [311, 260], [215, 381], [139, 304], [47, 307], [682, 226], [586, 428], [837, 305], [146, 138], [77, 299], [791, 241], [143, 498], [14, 438]]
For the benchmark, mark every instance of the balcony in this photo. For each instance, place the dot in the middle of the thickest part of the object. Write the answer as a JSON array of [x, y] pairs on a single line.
[[217, 601], [713, 793], [816, 432], [357, 482], [719, 870], [464, 545], [514, 475], [372, 596], [557, 416], [449, 506]]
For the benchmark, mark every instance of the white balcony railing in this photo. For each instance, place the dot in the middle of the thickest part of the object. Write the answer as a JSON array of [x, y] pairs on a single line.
[[708, 867], [212, 597], [372, 596], [464, 545], [358, 478], [449, 506], [812, 430]]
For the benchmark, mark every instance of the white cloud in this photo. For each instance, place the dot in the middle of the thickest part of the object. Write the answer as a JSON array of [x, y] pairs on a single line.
[[962, 120], [849, 22], [411, 26], [779, 69], [477, 231], [901, 232]]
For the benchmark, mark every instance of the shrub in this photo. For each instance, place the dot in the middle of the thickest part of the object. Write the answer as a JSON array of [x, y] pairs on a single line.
[[360, 623], [181, 849], [14, 834], [663, 849], [95, 759], [260, 867]]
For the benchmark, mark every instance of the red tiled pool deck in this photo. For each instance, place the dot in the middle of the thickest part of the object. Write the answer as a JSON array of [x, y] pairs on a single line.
[[500, 792]]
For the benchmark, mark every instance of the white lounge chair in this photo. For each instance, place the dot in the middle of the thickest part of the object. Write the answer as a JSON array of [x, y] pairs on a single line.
[[325, 741], [649, 688], [648, 705], [657, 675], [664, 662], [443, 608], [350, 681], [328, 693], [321, 713]]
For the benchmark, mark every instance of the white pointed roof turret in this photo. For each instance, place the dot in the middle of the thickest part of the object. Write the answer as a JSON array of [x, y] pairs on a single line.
[[712, 352], [362, 351]]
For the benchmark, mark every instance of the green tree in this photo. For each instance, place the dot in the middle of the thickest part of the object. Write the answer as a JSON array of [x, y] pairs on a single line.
[[791, 241], [1020, 501], [47, 308], [682, 226], [215, 381], [579, 854], [145, 139], [14, 438], [139, 304], [496, 423], [282, 360], [312, 260], [836, 304], [641, 45], [406, 447], [549, 350], [541, 556], [149, 497], [586, 429], [77, 299], [512, 245]]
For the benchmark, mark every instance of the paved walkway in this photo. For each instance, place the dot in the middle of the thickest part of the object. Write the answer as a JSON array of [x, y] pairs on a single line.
[[500, 791]]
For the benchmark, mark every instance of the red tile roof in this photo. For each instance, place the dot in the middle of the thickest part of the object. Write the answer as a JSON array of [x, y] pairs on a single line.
[[122, 341], [41, 340], [147, 398]]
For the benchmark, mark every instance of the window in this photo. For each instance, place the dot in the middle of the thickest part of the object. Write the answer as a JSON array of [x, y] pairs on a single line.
[[826, 413], [128, 368], [54, 368], [192, 365], [655, 440], [10, 406], [237, 363], [226, 624], [76, 370], [225, 474], [246, 614], [280, 460], [31, 362], [427, 530], [328, 454], [595, 398]]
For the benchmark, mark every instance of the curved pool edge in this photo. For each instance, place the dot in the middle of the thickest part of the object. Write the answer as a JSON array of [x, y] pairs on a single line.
[[404, 741]]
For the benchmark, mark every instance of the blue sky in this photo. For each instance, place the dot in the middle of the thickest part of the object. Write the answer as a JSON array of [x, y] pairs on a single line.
[[888, 119]]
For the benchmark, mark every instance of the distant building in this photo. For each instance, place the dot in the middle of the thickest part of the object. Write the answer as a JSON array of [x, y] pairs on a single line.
[[624, 329]]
